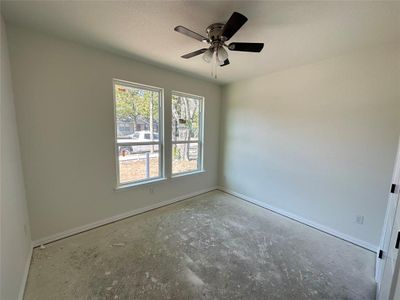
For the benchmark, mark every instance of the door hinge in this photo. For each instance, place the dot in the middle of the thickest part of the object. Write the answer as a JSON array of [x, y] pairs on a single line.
[[393, 188], [380, 255], [397, 241]]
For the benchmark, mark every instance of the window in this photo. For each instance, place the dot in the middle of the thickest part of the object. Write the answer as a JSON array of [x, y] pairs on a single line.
[[187, 135], [138, 131]]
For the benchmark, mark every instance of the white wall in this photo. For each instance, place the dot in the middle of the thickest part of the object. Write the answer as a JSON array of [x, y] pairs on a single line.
[[65, 115], [317, 141], [15, 239]]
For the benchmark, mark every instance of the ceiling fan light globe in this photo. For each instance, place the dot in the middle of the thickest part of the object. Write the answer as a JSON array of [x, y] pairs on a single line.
[[222, 55], [207, 56]]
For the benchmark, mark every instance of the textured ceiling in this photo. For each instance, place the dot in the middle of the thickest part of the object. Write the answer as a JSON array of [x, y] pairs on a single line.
[[294, 33]]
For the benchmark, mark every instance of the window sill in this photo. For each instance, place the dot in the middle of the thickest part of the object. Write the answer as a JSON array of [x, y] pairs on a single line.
[[188, 173], [139, 184], [157, 180]]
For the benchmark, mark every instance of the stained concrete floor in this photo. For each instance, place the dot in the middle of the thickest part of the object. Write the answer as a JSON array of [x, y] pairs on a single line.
[[214, 246]]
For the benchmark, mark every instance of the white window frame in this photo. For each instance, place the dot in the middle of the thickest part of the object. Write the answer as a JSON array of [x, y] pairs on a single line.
[[159, 143], [199, 141]]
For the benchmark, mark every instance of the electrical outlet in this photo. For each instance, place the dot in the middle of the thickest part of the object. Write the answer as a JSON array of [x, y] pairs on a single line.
[[151, 190], [360, 220]]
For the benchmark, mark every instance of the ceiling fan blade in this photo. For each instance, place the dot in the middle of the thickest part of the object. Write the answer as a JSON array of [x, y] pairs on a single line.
[[226, 62], [233, 25], [247, 47], [190, 33], [194, 53]]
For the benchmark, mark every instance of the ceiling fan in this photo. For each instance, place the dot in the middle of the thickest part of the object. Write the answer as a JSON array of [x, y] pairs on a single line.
[[218, 34]]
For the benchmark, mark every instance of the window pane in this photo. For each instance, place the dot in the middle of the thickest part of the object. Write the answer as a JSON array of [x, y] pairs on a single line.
[[185, 118], [137, 113], [138, 163], [185, 157]]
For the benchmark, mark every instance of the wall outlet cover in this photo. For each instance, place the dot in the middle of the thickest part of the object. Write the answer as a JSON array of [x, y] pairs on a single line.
[[360, 220]]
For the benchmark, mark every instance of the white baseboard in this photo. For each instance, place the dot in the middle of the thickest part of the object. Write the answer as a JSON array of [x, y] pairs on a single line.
[[25, 275], [282, 212], [112, 219], [343, 236]]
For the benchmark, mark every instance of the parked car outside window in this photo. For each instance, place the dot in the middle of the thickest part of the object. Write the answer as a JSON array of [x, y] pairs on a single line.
[[139, 136]]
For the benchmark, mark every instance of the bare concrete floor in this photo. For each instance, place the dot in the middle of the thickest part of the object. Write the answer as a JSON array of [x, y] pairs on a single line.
[[213, 246]]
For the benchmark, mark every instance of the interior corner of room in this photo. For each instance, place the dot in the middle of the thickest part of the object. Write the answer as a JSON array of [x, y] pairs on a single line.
[[282, 170]]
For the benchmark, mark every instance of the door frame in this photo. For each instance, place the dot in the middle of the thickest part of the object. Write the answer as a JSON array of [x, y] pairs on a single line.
[[387, 230]]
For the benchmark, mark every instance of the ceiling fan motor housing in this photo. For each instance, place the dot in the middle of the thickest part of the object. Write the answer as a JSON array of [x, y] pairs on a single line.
[[214, 34]]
